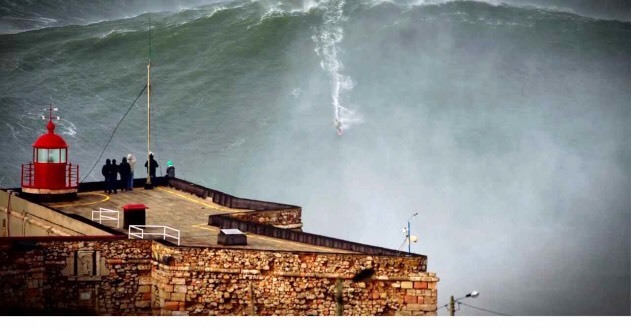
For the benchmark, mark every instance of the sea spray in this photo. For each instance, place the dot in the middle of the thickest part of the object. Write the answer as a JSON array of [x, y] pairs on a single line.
[[327, 38]]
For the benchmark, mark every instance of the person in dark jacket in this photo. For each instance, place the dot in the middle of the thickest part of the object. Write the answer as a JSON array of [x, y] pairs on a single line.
[[106, 171], [152, 167], [125, 171], [114, 177]]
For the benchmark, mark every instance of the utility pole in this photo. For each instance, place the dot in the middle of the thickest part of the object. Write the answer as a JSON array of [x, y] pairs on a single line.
[[409, 235], [148, 183], [409, 240], [452, 302]]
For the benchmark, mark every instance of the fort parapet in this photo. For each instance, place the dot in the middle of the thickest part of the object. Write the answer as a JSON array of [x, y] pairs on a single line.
[[55, 260]]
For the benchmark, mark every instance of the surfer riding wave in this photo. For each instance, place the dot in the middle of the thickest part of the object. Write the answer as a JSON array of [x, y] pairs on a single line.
[[338, 126]]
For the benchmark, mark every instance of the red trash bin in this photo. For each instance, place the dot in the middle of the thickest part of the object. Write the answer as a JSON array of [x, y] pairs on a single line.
[[134, 214]]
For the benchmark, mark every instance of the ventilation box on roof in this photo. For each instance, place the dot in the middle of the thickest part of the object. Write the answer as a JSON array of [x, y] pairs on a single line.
[[231, 237]]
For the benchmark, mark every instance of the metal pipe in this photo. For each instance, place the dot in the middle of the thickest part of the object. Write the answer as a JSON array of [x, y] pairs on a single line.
[[148, 121]]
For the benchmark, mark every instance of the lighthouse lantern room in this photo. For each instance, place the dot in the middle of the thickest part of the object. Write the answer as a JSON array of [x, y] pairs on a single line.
[[50, 175]]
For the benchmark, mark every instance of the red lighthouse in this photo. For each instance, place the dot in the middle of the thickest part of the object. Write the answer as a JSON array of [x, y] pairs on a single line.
[[50, 175]]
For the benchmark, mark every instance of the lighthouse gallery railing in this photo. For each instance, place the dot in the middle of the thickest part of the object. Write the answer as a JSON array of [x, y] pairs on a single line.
[[71, 173]]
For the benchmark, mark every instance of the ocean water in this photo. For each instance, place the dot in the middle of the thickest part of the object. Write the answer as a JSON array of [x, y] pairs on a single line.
[[506, 127]]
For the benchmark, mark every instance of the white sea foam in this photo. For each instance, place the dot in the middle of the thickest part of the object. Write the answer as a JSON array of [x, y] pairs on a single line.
[[408, 3], [197, 14], [44, 20], [327, 38], [235, 144], [278, 8], [296, 92], [14, 134], [67, 128], [215, 10], [115, 32]]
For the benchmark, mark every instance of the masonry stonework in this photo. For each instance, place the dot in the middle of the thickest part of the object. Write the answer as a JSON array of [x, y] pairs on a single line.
[[136, 277], [286, 218], [77, 277]]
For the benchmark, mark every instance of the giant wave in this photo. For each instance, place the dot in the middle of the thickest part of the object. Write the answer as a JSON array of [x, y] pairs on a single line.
[[507, 126]]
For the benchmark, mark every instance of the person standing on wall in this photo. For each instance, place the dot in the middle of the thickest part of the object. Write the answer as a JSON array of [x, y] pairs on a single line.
[[170, 170], [124, 170], [152, 167], [131, 159], [106, 171], [114, 177]]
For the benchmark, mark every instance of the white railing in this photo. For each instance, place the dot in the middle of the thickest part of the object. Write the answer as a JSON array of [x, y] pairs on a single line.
[[104, 214], [166, 232]]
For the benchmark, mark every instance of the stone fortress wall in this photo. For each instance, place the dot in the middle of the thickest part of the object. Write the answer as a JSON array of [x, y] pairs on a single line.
[[79, 276], [55, 264]]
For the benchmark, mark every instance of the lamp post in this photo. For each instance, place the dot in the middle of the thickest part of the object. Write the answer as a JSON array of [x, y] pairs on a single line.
[[409, 237], [452, 301]]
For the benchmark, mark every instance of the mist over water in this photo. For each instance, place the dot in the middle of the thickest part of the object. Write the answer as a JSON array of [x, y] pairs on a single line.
[[505, 127]]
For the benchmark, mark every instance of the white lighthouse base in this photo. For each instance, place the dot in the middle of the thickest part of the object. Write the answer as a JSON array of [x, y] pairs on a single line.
[[49, 195], [37, 191]]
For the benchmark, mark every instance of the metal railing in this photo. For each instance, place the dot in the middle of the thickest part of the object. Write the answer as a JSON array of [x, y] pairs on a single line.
[[72, 175], [27, 175], [104, 214], [138, 231]]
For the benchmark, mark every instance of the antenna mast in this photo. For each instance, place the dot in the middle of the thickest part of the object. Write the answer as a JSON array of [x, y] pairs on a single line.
[[148, 184], [50, 113]]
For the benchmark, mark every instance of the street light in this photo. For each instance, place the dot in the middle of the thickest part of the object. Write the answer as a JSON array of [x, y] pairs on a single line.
[[408, 236], [452, 301]]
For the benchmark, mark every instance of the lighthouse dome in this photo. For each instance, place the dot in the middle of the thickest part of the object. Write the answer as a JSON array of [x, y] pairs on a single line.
[[50, 140]]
